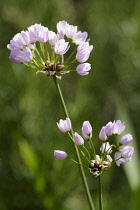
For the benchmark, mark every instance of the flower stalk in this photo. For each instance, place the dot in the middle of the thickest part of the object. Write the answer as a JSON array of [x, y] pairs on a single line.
[[85, 184], [100, 194]]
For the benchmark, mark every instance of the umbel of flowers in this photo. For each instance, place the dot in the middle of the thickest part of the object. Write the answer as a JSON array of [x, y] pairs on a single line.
[[110, 152], [44, 50]]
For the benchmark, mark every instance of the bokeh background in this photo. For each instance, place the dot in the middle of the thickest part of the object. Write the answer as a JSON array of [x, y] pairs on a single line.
[[30, 177]]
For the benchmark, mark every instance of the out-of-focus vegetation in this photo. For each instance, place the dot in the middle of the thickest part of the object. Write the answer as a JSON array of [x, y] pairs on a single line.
[[30, 177]]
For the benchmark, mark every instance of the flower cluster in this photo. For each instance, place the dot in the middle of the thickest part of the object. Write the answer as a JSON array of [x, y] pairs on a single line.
[[109, 152], [44, 50]]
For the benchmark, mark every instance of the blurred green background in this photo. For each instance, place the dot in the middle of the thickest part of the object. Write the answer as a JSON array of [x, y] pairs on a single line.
[[30, 177]]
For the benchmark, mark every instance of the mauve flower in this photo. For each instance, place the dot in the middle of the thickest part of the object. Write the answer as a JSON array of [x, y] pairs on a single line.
[[82, 55], [85, 45], [86, 130], [62, 27], [53, 37], [126, 139], [79, 141], [83, 68], [61, 47], [60, 154], [102, 134], [123, 155], [42, 35], [109, 128], [106, 148], [64, 125], [21, 56], [80, 37], [118, 127], [71, 31], [33, 29]]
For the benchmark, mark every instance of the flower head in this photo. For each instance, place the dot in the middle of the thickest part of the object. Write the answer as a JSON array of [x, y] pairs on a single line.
[[64, 125], [60, 154]]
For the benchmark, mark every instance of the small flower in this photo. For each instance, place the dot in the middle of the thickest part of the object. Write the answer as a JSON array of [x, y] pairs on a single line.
[[64, 125], [86, 130], [123, 155], [109, 128], [80, 37], [126, 139], [102, 134], [106, 148], [118, 127], [82, 55], [71, 31], [52, 38], [85, 45], [83, 68], [61, 47], [21, 56], [60, 154], [79, 141], [42, 35], [109, 158], [62, 27]]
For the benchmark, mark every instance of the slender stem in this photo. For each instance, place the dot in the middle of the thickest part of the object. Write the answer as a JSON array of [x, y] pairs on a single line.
[[100, 194], [76, 149]]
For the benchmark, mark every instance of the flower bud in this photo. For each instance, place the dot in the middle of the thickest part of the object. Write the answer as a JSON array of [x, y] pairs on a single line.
[[118, 127], [126, 139], [60, 154], [109, 128], [86, 130], [106, 148], [79, 141], [102, 134], [64, 125], [123, 155]]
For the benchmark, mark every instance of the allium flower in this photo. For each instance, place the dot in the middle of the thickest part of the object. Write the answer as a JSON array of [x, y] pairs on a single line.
[[79, 141], [83, 68], [60, 154], [53, 37], [106, 148], [86, 130], [64, 125], [102, 134], [109, 128], [43, 49], [61, 47], [126, 139], [61, 27], [85, 45], [42, 35], [21, 56], [118, 127], [34, 29], [82, 55], [80, 37], [123, 155], [71, 31]]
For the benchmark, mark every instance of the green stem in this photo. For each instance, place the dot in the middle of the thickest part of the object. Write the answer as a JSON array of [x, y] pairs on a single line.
[[76, 149], [100, 194]]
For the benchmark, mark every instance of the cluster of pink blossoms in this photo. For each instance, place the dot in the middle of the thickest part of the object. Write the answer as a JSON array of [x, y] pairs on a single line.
[[116, 152], [44, 50]]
